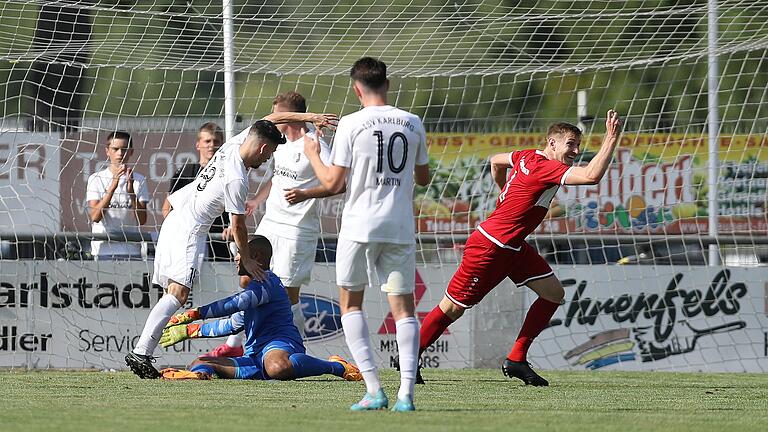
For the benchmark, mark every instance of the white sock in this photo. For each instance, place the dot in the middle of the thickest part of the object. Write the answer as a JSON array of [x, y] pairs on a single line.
[[156, 321], [235, 340], [359, 343], [408, 349], [298, 318]]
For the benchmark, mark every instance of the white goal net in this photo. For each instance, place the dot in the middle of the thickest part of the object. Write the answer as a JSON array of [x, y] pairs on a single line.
[[486, 77]]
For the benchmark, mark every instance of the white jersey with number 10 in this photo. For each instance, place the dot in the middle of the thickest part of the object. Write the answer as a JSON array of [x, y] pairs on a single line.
[[380, 145]]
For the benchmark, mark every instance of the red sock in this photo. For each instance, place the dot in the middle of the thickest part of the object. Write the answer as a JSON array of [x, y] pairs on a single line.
[[536, 320], [432, 327]]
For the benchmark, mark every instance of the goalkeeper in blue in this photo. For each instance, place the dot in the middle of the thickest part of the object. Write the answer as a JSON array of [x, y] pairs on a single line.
[[273, 347]]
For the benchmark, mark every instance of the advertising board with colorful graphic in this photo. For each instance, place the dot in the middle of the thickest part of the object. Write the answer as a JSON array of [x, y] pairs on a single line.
[[658, 318], [656, 184]]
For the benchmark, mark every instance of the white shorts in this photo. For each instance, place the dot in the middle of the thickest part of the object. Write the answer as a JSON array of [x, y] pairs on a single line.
[[389, 264], [292, 260], [178, 253]]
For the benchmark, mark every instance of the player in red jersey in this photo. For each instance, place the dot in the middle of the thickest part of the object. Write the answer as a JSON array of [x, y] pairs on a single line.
[[497, 249]]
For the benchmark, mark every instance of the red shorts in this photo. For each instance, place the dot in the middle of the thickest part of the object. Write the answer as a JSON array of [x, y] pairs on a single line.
[[484, 265]]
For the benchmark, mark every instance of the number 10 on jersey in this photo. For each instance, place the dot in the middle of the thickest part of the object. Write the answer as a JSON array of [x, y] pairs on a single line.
[[397, 136]]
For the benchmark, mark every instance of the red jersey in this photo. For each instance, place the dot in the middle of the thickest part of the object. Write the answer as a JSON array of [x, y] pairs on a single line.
[[525, 198]]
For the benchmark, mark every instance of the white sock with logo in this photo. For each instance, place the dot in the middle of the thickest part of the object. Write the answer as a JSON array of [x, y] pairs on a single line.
[[156, 321], [298, 318], [408, 349], [359, 343], [235, 340]]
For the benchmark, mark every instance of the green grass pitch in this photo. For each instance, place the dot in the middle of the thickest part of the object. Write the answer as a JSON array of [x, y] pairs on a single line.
[[452, 400]]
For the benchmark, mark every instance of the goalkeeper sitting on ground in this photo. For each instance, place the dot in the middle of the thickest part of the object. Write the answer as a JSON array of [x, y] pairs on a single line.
[[273, 347]]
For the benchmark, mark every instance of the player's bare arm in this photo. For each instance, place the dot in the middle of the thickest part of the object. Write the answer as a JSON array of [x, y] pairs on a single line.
[[320, 121], [296, 195], [239, 233], [499, 166], [596, 168], [263, 193], [97, 207], [333, 178], [421, 175], [140, 207]]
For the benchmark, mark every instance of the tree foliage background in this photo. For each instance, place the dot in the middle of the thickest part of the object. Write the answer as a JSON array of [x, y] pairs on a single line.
[[473, 65]]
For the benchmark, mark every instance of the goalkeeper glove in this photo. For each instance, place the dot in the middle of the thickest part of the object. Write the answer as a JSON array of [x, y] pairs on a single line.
[[176, 334], [184, 317]]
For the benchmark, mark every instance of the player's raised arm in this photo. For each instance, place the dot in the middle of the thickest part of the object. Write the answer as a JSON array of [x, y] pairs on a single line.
[[333, 178], [320, 121], [239, 233], [596, 168], [499, 166]]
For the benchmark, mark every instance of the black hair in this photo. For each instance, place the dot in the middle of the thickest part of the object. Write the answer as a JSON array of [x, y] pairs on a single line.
[[370, 72], [267, 130], [260, 245]]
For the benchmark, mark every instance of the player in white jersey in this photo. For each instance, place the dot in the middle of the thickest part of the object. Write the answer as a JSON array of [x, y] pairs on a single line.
[[378, 153], [221, 186], [291, 221]]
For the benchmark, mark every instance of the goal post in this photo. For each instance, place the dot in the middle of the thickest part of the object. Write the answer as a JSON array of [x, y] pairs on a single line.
[[485, 77]]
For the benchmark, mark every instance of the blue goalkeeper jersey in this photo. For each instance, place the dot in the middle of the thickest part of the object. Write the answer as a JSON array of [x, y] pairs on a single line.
[[262, 310]]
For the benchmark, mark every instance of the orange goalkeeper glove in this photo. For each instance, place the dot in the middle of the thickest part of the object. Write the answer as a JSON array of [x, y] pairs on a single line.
[[176, 334], [184, 317]]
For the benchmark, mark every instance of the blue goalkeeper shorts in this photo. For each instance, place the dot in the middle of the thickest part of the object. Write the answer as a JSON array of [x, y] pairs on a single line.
[[252, 366]]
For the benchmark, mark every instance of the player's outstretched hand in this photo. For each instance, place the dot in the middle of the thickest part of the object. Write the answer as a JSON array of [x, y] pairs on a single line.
[[321, 121], [176, 334], [612, 124], [295, 196], [184, 317]]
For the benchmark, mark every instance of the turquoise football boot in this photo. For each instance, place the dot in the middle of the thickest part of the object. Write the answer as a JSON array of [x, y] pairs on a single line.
[[370, 402], [404, 405]]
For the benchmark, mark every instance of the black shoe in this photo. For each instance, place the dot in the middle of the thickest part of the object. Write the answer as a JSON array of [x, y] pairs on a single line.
[[419, 379], [141, 365], [523, 371]]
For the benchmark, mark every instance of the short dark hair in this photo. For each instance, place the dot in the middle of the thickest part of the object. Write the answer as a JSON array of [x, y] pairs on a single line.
[[267, 130], [260, 246], [370, 72], [292, 100], [120, 135], [213, 129], [561, 128]]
